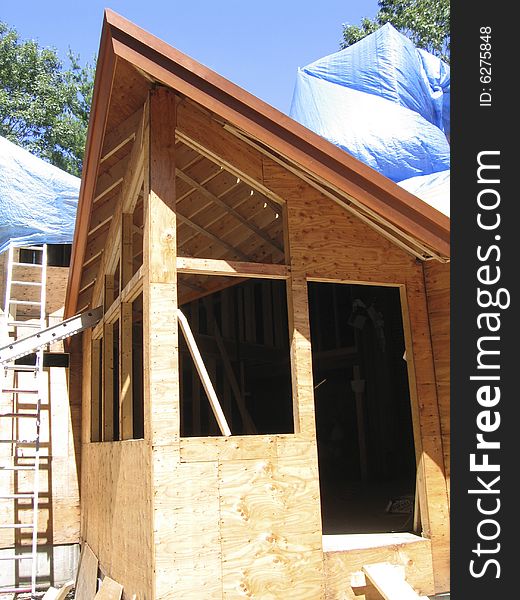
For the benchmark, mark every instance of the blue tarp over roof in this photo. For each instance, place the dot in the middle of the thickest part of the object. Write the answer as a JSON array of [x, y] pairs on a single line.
[[38, 201], [385, 102]]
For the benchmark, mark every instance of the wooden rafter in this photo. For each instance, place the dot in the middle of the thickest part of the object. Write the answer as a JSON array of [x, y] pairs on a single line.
[[229, 209], [102, 213], [120, 135], [206, 180], [212, 237], [110, 179]]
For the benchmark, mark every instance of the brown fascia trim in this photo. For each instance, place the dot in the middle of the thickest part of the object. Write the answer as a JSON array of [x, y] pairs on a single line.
[[100, 103], [164, 63]]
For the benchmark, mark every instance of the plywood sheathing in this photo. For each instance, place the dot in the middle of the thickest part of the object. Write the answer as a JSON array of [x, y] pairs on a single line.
[[116, 499], [437, 280]]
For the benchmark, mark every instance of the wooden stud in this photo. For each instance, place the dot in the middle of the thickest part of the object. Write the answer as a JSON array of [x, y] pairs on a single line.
[[107, 403], [301, 356]]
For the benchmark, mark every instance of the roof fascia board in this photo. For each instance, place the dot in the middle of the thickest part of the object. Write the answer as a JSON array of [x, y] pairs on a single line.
[[98, 117]]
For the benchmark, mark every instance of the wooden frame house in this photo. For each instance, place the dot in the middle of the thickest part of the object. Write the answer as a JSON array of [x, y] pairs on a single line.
[[234, 252]]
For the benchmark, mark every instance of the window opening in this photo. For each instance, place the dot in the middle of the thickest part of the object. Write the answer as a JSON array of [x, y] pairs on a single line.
[[241, 329]]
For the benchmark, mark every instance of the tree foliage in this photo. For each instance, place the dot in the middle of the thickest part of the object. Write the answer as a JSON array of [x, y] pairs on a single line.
[[425, 22], [43, 106]]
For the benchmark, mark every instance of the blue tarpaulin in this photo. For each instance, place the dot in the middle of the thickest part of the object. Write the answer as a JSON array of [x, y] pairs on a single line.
[[383, 101], [38, 201]]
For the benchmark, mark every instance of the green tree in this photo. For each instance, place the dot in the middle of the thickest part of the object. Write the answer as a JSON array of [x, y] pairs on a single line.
[[43, 106], [425, 22]]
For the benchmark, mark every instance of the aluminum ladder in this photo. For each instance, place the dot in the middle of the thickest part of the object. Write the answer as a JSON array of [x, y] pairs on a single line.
[[22, 391]]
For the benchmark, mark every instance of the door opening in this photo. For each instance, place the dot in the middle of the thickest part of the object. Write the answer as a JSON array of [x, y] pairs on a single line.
[[363, 414]]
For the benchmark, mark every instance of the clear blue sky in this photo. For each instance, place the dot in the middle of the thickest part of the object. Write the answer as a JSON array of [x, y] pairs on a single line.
[[257, 44]]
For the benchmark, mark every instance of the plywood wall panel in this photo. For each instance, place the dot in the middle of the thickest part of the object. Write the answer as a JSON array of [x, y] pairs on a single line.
[[116, 510], [186, 528], [270, 530]]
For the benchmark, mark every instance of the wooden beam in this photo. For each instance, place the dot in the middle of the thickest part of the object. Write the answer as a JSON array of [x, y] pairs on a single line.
[[207, 179], [120, 135], [160, 336], [203, 374], [106, 66], [229, 209], [110, 252], [108, 383], [346, 201], [209, 266]]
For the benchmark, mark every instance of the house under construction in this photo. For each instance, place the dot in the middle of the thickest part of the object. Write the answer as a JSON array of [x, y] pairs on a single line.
[[265, 395]]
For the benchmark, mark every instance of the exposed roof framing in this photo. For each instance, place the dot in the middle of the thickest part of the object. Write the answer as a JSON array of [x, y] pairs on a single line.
[[224, 202]]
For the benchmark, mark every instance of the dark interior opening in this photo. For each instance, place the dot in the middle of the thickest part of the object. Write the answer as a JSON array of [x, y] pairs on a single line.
[[115, 385], [363, 413], [137, 367], [96, 409], [242, 334], [58, 255], [50, 359]]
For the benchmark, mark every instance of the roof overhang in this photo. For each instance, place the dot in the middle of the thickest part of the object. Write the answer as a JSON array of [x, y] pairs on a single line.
[[390, 208]]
